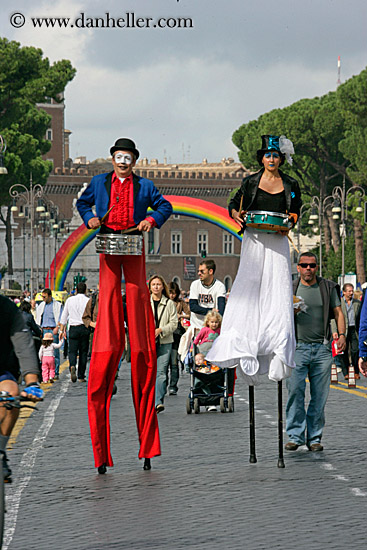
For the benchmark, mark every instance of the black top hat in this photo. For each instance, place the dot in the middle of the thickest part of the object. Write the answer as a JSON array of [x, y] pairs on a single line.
[[125, 144]]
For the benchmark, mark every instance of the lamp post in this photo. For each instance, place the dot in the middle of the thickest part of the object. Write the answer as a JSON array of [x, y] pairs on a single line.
[[3, 169], [340, 196], [317, 204], [19, 192]]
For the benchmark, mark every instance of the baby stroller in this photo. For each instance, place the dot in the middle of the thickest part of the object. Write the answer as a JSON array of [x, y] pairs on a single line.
[[209, 385]]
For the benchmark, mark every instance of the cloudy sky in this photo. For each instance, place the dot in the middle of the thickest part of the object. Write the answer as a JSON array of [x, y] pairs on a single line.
[[181, 92]]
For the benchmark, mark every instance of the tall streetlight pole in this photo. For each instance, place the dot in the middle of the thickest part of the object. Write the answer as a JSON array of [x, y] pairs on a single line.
[[19, 192], [319, 205], [340, 196]]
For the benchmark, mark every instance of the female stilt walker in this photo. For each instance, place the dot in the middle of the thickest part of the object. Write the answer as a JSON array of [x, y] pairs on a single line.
[[258, 324]]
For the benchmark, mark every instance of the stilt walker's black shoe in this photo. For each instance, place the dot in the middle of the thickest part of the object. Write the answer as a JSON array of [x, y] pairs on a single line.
[[102, 469], [147, 464]]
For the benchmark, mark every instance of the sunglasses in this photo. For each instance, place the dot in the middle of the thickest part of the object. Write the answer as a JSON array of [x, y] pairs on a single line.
[[303, 265], [201, 270], [274, 155]]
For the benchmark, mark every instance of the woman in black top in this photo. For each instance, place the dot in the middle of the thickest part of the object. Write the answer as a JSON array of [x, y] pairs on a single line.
[[258, 328]]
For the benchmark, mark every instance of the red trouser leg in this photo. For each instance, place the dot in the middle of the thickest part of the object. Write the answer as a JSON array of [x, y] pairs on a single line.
[[143, 355], [108, 344]]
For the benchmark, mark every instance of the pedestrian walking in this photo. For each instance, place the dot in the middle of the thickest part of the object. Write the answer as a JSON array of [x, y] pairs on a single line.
[[313, 354], [165, 317], [48, 316], [183, 312], [78, 334], [350, 308], [121, 199], [206, 293], [47, 356]]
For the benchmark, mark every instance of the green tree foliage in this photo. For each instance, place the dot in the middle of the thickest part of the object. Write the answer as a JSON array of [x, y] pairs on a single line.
[[26, 78], [330, 138]]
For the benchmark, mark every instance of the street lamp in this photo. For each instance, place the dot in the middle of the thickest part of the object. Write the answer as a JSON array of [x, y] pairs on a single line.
[[317, 211], [340, 196], [3, 169], [29, 197]]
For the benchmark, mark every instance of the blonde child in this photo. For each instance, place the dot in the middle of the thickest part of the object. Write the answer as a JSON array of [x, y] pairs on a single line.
[[209, 332], [47, 356]]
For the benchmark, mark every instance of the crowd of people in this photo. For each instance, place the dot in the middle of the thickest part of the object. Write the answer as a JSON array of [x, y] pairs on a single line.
[[255, 327]]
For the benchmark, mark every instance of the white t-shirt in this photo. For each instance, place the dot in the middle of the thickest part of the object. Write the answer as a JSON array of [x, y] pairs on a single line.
[[74, 310], [207, 298]]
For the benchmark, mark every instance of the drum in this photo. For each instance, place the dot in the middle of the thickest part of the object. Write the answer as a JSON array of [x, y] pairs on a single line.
[[267, 222], [119, 245]]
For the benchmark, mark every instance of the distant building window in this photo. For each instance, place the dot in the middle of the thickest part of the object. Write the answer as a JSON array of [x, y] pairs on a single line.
[[151, 242], [202, 242], [176, 242], [49, 134], [227, 243]]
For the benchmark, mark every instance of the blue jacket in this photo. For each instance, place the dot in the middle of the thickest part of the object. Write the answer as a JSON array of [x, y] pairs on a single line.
[[363, 330], [145, 195]]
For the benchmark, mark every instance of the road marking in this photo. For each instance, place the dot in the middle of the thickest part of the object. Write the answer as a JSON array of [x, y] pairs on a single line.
[[355, 392], [26, 465], [328, 466], [358, 493], [26, 413]]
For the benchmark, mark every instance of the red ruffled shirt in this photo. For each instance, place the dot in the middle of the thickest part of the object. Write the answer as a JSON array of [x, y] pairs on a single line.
[[122, 199]]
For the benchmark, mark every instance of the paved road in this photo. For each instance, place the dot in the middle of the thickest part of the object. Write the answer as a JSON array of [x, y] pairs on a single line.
[[202, 493]]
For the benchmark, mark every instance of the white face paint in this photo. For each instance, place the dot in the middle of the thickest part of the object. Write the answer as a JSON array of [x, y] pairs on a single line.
[[123, 158]]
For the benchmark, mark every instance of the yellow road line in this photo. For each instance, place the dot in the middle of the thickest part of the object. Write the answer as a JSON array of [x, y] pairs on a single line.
[[362, 388], [348, 390], [26, 413]]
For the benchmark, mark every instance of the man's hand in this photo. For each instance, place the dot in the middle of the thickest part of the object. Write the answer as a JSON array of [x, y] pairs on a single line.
[[94, 223], [341, 343], [92, 324], [362, 366], [335, 335], [144, 226]]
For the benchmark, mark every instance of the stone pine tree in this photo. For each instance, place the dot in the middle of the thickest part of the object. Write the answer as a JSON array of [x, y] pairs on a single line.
[[316, 127], [26, 78]]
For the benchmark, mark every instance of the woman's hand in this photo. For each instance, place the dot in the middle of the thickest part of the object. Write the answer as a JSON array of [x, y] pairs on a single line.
[[238, 217], [158, 331]]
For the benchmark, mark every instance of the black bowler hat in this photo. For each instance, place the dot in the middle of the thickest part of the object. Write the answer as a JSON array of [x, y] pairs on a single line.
[[125, 144]]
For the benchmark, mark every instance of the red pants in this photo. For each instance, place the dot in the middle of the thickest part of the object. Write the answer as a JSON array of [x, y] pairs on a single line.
[[108, 345]]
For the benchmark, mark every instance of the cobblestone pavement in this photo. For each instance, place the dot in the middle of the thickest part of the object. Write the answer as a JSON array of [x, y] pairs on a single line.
[[202, 492]]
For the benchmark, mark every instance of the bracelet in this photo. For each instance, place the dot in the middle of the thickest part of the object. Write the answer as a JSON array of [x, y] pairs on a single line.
[[342, 334]]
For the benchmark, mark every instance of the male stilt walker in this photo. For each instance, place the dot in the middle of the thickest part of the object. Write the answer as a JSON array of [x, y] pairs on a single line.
[[121, 199]]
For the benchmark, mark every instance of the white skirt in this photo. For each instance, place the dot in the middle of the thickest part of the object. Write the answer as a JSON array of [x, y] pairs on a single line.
[[257, 332]]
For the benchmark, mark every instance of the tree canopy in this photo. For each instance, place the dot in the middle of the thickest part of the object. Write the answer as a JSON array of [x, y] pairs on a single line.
[[330, 139], [27, 78]]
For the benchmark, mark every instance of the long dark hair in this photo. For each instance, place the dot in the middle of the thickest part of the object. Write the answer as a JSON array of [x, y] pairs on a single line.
[[174, 288]]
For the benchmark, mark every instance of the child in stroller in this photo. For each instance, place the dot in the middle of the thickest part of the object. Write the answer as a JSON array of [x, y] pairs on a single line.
[[209, 385]]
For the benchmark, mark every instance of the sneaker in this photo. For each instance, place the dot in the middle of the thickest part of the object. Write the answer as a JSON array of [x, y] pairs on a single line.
[[172, 392], [56, 377], [6, 468], [81, 380], [211, 408], [159, 408], [73, 374]]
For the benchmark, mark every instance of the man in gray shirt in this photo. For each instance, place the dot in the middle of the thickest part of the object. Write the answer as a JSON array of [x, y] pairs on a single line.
[[313, 355]]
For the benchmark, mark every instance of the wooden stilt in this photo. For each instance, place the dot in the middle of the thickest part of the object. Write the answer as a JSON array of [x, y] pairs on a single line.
[[280, 425], [253, 458]]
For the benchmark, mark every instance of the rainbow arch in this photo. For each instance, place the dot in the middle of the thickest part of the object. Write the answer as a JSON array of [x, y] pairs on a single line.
[[185, 206]]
